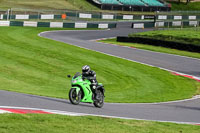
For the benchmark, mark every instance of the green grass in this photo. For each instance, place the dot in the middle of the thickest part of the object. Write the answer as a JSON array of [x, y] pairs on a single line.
[[192, 6], [42, 5], [39, 123], [50, 4], [79, 5], [153, 48], [34, 65], [188, 35]]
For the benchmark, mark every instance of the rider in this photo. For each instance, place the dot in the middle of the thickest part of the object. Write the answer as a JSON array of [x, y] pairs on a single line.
[[91, 76]]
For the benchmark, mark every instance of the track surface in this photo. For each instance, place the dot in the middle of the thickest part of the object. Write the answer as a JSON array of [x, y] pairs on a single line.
[[186, 111], [83, 39], [182, 111]]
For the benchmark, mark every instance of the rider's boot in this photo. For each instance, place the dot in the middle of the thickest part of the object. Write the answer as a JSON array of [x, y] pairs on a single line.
[[95, 92]]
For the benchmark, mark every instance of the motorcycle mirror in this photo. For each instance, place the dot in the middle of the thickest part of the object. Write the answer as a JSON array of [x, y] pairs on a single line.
[[69, 76]]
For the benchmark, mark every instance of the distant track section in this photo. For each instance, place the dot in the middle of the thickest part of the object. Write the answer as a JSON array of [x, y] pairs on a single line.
[[170, 62]]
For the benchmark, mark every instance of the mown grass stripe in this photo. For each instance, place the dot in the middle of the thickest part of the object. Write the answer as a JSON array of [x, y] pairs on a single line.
[[39, 66], [86, 124]]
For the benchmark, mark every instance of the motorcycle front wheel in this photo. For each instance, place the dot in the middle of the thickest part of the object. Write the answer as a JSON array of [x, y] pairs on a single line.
[[74, 97], [100, 101]]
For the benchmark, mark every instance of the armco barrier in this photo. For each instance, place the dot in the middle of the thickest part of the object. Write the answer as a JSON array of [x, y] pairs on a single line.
[[112, 25], [16, 23], [1, 16], [103, 26], [57, 14], [4, 23], [84, 15], [68, 25], [141, 25], [155, 42], [34, 17], [97, 16], [137, 25], [160, 24], [22, 17], [80, 25], [58, 24], [178, 17], [47, 16], [43, 24], [30, 24], [76, 15], [102, 16]]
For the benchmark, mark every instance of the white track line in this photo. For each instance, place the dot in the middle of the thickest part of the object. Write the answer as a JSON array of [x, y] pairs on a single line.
[[131, 61], [3, 111], [144, 49], [178, 73], [45, 110], [70, 30], [85, 114], [178, 101]]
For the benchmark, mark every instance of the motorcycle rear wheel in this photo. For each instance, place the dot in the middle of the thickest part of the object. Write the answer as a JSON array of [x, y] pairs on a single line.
[[100, 102], [73, 97]]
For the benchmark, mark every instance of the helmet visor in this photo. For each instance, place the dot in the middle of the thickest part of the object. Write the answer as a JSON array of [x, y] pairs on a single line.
[[85, 70]]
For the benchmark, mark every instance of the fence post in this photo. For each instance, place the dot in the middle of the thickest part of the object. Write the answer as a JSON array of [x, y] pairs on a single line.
[[181, 24], [8, 13], [76, 15], [168, 24], [38, 15], [11, 12]]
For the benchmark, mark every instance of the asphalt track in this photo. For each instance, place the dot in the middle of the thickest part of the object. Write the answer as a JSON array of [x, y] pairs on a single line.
[[166, 61], [182, 111]]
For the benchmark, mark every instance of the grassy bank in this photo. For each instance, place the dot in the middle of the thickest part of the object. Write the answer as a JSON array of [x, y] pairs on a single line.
[[80, 5], [179, 35], [188, 36], [192, 6], [56, 5], [50, 4], [153, 48], [56, 123], [34, 65]]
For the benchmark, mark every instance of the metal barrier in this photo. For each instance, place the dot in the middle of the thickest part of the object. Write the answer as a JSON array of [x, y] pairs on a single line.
[[70, 15], [161, 19], [58, 24], [165, 24]]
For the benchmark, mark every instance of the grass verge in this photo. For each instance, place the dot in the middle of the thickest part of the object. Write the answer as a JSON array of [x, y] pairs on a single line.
[[57, 123], [42, 5], [34, 65], [153, 48], [192, 6], [51, 4], [189, 36]]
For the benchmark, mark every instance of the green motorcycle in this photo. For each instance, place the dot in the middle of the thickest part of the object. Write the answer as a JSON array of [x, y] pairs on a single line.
[[81, 92]]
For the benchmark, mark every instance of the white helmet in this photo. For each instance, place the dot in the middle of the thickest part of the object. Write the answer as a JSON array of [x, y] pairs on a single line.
[[86, 69]]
